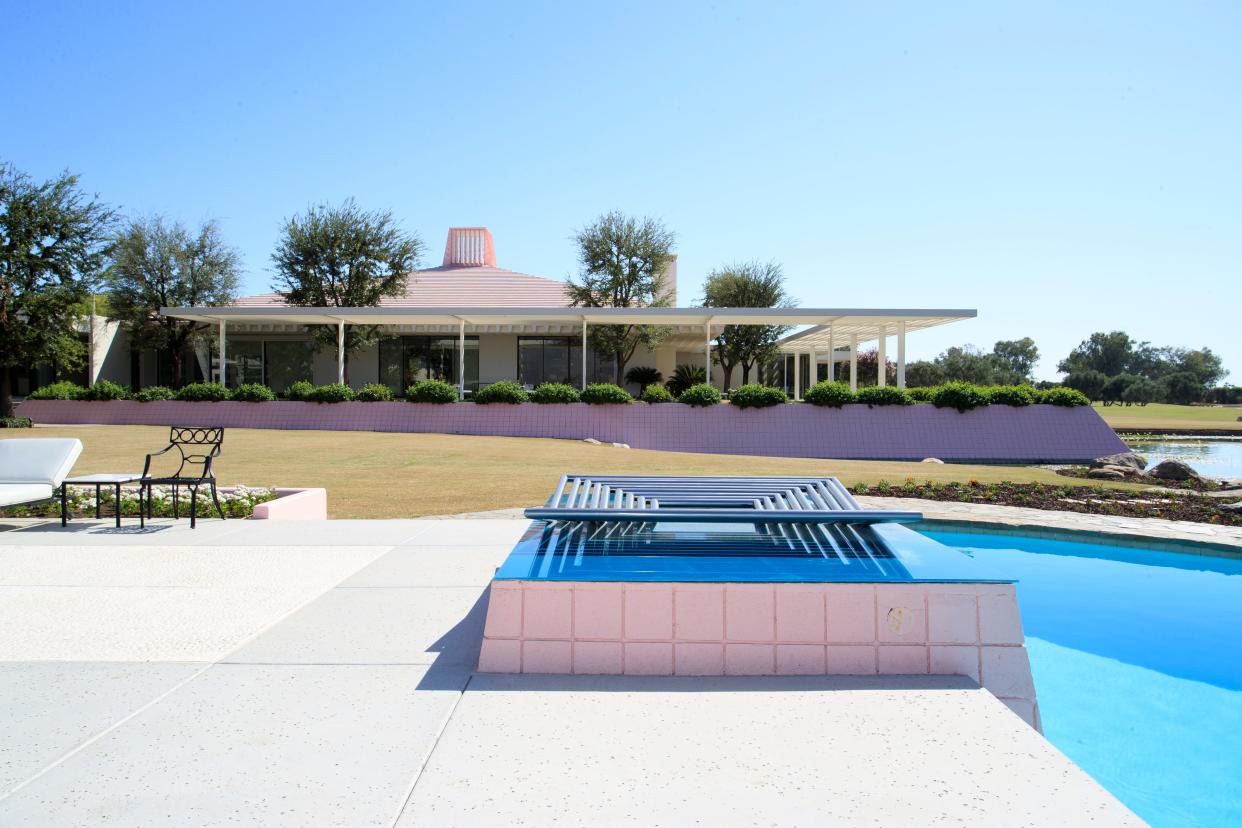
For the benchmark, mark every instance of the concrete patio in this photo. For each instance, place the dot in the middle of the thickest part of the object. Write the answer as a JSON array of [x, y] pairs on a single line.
[[272, 673]]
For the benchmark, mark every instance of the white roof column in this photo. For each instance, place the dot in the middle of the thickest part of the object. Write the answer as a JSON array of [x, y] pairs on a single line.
[[832, 355], [881, 359], [223, 348], [854, 363], [797, 372], [340, 352], [461, 359], [707, 352], [584, 355], [813, 377], [901, 354]]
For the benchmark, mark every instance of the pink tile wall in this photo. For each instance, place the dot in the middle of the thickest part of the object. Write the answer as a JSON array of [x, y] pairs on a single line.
[[972, 630], [1037, 433]]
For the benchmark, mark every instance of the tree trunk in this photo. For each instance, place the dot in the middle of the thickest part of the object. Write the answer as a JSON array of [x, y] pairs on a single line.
[[622, 361], [6, 392], [745, 373], [727, 372], [174, 362]]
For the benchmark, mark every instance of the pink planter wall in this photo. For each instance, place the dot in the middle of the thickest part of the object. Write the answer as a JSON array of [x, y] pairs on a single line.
[[294, 504], [972, 630], [1038, 433]]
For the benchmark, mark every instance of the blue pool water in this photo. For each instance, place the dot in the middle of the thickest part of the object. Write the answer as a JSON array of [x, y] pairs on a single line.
[[1137, 657]]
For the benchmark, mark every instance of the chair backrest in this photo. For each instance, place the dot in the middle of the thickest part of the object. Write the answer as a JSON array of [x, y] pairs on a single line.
[[38, 460], [196, 445]]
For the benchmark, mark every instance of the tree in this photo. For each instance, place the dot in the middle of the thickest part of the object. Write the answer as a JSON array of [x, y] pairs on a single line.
[[923, 372], [1183, 387], [685, 376], [1108, 353], [1088, 382], [1114, 390], [1014, 361], [156, 265], [967, 364], [1141, 392], [746, 285], [642, 376], [623, 261], [344, 257], [54, 242], [869, 368]]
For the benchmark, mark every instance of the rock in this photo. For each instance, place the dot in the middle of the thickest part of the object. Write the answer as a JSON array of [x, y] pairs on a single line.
[[1173, 470], [1107, 473], [1236, 508], [592, 441], [620, 445], [932, 460], [1126, 459]]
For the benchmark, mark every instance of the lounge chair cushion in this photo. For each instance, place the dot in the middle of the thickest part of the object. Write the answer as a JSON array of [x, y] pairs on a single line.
[[12, 494], [46, 460]]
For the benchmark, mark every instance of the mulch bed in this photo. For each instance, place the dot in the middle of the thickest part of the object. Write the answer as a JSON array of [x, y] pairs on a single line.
[[1193, 484], [1093, 500]]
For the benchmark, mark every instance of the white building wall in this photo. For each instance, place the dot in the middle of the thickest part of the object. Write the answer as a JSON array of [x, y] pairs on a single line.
[[497, 357]]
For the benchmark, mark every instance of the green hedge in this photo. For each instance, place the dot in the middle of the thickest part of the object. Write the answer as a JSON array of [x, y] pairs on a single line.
[[106, 390], [700, 396], [16, 422], [509, 393], [885, 395], [1015, 395], [58, 391], [203, 392], [299, 391], [432, 391], [332, 393], [555, 392], [755, 395], [605, 393], [155, 393], [1067, 397], [831, 394], [960, 395], [253, 392], [657, 394], [374, 392]]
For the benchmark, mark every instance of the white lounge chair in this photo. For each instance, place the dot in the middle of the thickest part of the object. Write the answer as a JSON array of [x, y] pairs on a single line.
[[31, 470]]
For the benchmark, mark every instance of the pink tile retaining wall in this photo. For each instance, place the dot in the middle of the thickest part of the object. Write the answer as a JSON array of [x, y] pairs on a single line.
[[693, 629], [1037, 433], [294, 504]]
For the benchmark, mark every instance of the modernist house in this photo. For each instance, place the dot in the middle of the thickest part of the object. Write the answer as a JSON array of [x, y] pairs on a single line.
[[471, 322]]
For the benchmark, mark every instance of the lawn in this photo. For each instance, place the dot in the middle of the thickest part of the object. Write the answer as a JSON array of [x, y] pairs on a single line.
[[1164, 416], [373, 475]]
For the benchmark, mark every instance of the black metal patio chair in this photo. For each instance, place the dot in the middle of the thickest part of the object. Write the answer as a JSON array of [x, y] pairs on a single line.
[[196, 448]]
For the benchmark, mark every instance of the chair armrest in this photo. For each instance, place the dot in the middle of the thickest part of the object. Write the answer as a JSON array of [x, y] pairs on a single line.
[[146, 466]]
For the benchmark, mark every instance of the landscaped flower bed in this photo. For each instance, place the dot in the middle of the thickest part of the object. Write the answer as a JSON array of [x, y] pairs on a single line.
[[237, 502], [1094, 500]]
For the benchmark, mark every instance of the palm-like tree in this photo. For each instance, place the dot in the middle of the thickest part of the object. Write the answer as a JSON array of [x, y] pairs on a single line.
[[684, 377], [642, 376]]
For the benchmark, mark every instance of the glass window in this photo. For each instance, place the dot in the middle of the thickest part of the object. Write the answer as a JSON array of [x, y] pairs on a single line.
[[285, 361], [405, 360], [244, 362], [559, 359]]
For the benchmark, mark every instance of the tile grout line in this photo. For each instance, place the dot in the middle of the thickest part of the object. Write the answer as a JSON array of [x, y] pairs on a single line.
[[422, 766], [148, 705]]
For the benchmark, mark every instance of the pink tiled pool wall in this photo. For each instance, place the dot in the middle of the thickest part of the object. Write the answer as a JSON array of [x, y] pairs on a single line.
[[1036, 433], [687, 629]]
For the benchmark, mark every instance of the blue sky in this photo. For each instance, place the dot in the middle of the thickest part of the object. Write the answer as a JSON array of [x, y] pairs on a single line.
[[1061, 167]]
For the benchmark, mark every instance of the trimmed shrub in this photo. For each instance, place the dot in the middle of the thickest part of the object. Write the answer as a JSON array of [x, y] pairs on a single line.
[[657, 394], [203, 392], [960, 395], [505, 391], [58, 391], [921, 394], [431, 391], [1015, 395], [700, 396], [885, 395], [332, 393], [832, 394], [555, 392], [253, 392], [1067, 397], [374, 392], [155, 393], [299, 390], [755, 395], [605, 393], [684, 377], [16, 422], [643, 376], [106, 390]]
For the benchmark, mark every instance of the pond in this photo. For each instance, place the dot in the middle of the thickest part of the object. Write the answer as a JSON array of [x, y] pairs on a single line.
[[1217, 457]]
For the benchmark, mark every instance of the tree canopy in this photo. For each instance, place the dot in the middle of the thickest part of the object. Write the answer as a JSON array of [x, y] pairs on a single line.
[[54, 244], [1185, 374], [623, 262], [1011, 362], [746, 285], [344, 257], [156, 264]]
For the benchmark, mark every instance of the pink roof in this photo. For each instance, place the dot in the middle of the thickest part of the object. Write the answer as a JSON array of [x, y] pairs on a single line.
[[462, 281]]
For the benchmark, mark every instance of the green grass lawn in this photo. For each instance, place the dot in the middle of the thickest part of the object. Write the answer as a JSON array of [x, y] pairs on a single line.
[[373, 475], [1165, 416]]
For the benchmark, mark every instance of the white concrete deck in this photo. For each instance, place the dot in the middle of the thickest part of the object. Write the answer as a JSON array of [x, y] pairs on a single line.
[[322, 674]]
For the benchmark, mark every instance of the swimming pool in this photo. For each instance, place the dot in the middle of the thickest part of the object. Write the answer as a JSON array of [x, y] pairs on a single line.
[[1137, 659]]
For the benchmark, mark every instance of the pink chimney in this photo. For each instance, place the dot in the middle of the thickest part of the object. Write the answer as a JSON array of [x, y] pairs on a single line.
[[469, 247]]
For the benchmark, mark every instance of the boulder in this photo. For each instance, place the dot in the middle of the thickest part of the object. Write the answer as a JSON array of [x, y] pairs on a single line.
[[1107, 473], [1173, 470], [1126, 459], [1236, 508], [932, 460]]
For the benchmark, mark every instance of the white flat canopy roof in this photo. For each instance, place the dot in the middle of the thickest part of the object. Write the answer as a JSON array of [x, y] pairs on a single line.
[[866, 323]]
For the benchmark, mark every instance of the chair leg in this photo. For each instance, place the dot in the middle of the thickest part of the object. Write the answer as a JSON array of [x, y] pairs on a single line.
[[64, 505], [142, 513], [176, 503], [216, 500], [193, 505]]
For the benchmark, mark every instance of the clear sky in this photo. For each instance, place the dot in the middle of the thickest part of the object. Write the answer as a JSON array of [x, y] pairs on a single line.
[[1063, 167]]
